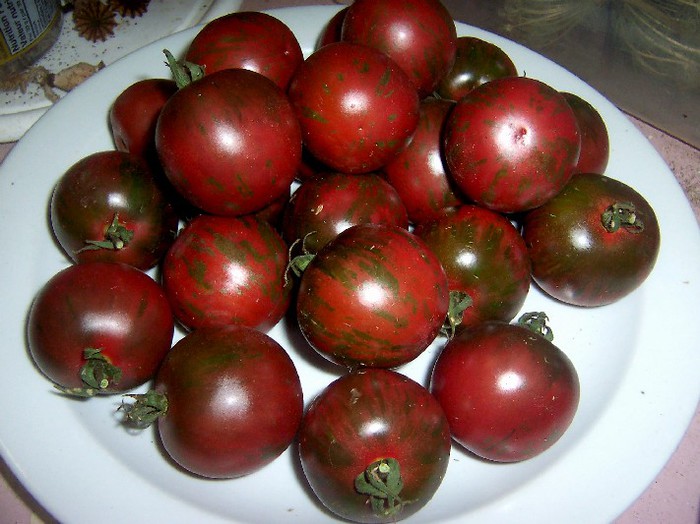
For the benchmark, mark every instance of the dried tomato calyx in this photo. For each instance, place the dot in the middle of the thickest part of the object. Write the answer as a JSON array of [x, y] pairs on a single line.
[[459, 302], [184, 72], [622, 215], [536, 321], [145, 409], [117, 236], [382, 483], [98, 374]]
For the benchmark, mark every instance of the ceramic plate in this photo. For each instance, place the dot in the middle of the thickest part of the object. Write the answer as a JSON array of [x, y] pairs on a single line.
[[637, 359]]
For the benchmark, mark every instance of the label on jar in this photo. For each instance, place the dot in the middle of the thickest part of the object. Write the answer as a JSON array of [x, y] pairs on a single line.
[[22, 23]]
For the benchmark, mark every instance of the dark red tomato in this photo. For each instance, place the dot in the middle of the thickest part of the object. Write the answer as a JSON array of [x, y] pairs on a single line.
[[247, 40], [99, 327], [594, 243], [332, 31], [357, 108], [418, 172], [378, 429], [109, 206], [512, 144], [508, 392], [595, 142], [134, 114], [324, 206], [228, 401], [477, 62], [229, 142], [373, 296], [419, 35], [227, 270], [484, 256]]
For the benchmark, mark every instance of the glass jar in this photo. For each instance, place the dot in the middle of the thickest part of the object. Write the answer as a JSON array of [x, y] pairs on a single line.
[[28, 29]]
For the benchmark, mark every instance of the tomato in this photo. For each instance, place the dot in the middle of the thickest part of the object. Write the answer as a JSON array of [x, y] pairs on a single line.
[[509, 393], [483, 256], [419, 35], [356, 107], [512, 144], [373, 296], [247, 40], [418, 172], [99, 328], [595, 143], [229, 142], [476, 62], [134, 114], [110, 207], [380, 428], [227, 270], [227, 400], [326, 205], [332, 31], [594, 243]]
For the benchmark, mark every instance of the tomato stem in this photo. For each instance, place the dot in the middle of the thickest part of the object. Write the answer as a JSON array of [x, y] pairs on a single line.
[[117, 236], [298, 263], [184, 72], [145, 409], [536, 321], [459, 302], [98, 374], [622, 214], [381, 481]]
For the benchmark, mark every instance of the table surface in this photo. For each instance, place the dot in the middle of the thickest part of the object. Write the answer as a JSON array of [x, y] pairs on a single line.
[[674, 496]]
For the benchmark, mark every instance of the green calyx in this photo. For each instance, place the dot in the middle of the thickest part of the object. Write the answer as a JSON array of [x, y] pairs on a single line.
[[536, 321], [97, 374], [622, 215], [145, 409], [382, 483], [117, 236], [184, 72], [459, 302], [298, 263]]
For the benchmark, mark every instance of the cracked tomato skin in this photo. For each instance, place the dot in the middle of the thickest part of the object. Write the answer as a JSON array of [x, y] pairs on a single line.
[[234, 401], [575, 259], [227, 270], [419, 35], [512, 144], [508, 393], [483, 255], [229, 142], [365, 416], [247, 40], [356, 106], [98, 187], [109, 306], [326, 205], [373, 296]]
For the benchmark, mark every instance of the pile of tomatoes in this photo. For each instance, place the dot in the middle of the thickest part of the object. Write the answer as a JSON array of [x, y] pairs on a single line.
[[398, 186]]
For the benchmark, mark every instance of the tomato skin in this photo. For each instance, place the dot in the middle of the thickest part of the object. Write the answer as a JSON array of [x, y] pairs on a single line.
[[227, 270], [332, 31], [418, 172], [103, 305], [374, 296], [229, 142], [483, 255], [476, 62], [234, 401], [249, 40], [324, 206], [508, 393], [355, 105], [98, 187], [574, 258], [595, 142], [134, 114], [419, 35], [365, 416], [512, 144]]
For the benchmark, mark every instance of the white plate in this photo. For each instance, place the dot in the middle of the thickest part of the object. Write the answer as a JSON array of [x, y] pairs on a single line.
[[637, 359], [18, 111]]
